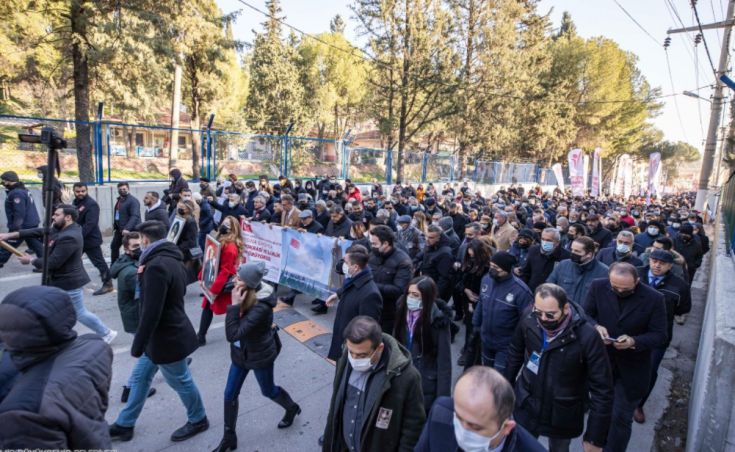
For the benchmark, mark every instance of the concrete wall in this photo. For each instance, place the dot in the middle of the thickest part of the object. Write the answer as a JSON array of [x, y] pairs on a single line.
[[106, 196], [712, 403]]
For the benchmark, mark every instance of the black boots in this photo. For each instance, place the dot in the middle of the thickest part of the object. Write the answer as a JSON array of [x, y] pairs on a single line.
[[291, 407], [190, 429], [126, 393], [120, 433], [229, 440]]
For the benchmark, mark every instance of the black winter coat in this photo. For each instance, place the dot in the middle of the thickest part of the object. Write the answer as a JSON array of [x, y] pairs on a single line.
[[314, 227], [692, 252], [339, 229], [437, 262], [643, 319], [438, 434], [551, 402], [394, 387], [459, 223], [174, 190], [538, 266], [129, 213], [159, 214], [608, 257], [60, 399], [228, 211], [436, 371], [392, 271], [601, 235], [65, 266], [165, 332], [252, 329], [20, 208], [359, 297], [323, 218], [89, 217], [677, 296]]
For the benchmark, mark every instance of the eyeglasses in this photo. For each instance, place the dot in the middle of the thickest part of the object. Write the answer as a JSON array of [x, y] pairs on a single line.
[[541, 314]]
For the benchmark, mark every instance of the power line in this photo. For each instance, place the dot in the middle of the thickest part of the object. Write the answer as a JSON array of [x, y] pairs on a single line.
[[675, 16], [440, 82], [699, 104], [701, 32], [676, 103], [636, 22]]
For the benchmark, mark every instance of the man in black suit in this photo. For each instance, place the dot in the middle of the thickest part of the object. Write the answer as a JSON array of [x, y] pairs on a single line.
[[89, 217], [631, 318]]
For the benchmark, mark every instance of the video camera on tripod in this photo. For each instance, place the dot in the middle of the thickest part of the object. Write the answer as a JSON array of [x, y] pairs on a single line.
[[49, 136], [54, 142]]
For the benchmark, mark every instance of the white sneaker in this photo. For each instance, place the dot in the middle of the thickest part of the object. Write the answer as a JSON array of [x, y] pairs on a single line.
[[680, 319], [110, 336]]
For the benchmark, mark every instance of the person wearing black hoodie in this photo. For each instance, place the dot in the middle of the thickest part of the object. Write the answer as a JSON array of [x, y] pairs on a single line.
[[436, 261], [56, 185], [691, 249], [173, 192], [59, 401], [252, 348]]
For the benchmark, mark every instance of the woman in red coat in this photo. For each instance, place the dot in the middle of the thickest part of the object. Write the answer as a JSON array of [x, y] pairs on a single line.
[[353, 193], [230, 238]]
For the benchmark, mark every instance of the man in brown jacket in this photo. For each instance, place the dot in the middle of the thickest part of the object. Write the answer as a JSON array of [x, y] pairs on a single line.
[[503, 233], [290, 216]]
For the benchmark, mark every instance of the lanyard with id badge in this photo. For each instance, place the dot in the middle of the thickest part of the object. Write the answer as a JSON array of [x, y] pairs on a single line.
[[535, 360]]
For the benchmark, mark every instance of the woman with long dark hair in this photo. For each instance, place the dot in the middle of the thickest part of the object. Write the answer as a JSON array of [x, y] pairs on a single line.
[[475, 264], [253, 346], [189, 241], [423, 328], [232, 247]]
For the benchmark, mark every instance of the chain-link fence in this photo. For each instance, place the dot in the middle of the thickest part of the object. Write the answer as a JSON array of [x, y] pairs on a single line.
[[246, 155], [25, 158], [364, 165], [137, 152], [310, 157], [439, 168]]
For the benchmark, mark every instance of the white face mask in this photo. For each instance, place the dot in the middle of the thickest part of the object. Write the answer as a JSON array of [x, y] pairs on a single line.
[[231, 204], [346, 270], [623, 249], [413, 304], [360, 365], [186, 198], [495, 222], [40, 175], [653, 231], [470, 441]]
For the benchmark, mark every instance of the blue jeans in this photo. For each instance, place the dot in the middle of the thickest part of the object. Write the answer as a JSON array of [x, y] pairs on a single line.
[[85, 317], [177, 375], [621, 425], [494, 358], [236, 378], [202, 239]]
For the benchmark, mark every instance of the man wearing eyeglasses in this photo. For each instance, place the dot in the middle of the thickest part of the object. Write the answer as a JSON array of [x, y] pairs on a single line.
[[560, 357]]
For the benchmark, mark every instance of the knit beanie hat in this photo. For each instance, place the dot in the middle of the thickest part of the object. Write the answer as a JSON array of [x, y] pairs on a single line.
[[504, 260], [252, 273]]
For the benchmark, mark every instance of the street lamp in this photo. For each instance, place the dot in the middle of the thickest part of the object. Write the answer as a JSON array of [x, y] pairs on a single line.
[[696, 96]]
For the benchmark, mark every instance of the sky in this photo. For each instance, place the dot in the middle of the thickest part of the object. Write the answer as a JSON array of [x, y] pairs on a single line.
[[593, 18]]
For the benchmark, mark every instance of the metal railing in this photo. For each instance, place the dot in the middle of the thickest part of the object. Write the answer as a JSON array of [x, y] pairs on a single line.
[[142, 153], [727, 200]]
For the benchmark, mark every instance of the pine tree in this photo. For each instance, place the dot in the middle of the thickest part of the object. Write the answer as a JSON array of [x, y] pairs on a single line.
[[276, 94]]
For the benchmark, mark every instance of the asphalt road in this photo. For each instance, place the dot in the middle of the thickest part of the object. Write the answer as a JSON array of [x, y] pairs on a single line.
[[300, 369]]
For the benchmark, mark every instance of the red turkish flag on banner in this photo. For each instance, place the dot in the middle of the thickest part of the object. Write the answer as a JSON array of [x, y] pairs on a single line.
[[295, 243]]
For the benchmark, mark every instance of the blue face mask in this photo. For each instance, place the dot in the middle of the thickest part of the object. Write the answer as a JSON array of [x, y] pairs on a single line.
[[413, 304], [547, 247]]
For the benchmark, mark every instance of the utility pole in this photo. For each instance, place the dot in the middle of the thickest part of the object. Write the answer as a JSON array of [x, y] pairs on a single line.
[[173, 150], [708, 159]]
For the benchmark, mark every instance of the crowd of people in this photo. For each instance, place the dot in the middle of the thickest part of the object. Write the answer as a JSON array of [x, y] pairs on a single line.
[[568, 305]]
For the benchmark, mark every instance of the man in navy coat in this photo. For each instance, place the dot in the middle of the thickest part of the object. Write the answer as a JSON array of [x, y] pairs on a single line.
[[89, 217], [631, 318]]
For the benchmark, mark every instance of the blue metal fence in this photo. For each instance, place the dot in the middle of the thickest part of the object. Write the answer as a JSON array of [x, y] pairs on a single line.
[[137, 153]]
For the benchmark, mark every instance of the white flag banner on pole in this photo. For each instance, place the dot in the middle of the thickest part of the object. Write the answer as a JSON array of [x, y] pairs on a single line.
[[628, 178], [559, 174], [620, 176], [576, 172], [654, 173], [595, 187], [586, 171]]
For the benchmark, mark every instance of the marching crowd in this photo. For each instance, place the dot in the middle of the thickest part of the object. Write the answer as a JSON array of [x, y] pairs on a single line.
[[568, 305]]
